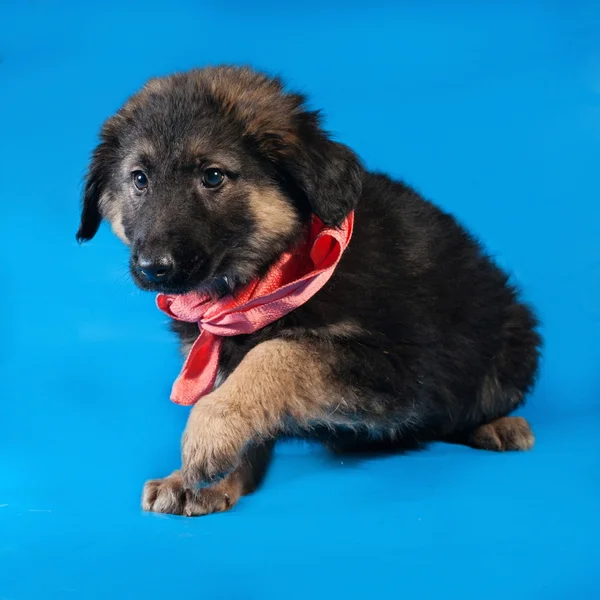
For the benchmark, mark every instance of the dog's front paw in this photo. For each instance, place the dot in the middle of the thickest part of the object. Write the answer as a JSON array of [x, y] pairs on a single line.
[[211, 449], [165, 495], [169, 496]]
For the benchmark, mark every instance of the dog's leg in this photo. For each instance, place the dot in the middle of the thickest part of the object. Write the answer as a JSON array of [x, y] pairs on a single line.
[[169, 495], [506, 433], [278, 382]]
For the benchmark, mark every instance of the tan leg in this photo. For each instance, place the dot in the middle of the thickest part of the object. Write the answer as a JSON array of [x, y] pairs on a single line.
[[169, 495], [507, 433], [277, 382]]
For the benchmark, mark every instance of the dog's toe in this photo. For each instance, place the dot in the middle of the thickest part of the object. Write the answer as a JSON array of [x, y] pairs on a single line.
[[206, 501], [507, 433], [164, 495], [169, 496]]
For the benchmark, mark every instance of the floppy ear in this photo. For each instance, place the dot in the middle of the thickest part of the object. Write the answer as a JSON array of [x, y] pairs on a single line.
[[95, 184], [328, 173], [104, 160]]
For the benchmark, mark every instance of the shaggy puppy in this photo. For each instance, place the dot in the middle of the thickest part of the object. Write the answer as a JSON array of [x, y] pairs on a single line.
[[211, 176]]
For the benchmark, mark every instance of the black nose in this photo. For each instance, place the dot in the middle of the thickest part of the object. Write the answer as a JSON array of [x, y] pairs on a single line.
[[155, 270]]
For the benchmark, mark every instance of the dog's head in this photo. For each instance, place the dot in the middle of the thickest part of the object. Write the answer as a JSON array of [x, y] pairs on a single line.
[[210, 175]]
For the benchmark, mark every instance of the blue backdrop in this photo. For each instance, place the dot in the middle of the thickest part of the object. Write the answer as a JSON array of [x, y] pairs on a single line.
[[491, 110]]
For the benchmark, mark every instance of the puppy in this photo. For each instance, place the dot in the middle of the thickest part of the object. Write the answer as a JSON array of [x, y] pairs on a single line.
[[211, 177]]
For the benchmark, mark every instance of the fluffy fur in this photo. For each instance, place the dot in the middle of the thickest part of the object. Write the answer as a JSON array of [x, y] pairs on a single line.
[[418, 335]]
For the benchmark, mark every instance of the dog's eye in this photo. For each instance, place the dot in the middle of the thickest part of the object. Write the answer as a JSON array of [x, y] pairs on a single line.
[[140, 180], [212, 178]]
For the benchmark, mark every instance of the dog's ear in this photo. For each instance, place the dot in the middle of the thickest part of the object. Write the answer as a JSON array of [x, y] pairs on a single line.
[[95, 183], [328, 173], [104, 159]]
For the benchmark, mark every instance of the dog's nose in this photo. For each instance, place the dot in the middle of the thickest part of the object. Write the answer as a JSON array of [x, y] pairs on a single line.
[[155, 270]]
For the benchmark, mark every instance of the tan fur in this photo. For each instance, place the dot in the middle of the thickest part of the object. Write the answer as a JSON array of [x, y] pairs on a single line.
[[112, 208], [169, 495], [507, 433], [185, 348], [143, 148], [284, 384], [278, 382], [274, 215], [256, 101], [157, 85], [344, 329], [114, 215]]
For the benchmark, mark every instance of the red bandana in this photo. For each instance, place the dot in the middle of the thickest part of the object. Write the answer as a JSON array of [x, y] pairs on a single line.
[[297, 276]]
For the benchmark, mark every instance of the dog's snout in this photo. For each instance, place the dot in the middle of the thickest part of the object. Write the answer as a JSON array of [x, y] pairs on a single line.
[[155, 270]]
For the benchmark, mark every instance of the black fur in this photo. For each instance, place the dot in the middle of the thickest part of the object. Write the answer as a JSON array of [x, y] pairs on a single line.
[[439, 341], [444, 335]]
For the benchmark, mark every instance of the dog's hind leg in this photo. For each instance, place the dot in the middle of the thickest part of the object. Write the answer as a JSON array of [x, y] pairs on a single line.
[[504, 389], [505, 433]]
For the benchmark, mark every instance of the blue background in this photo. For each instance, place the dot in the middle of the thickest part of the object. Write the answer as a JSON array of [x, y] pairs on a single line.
[[490, 109]]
